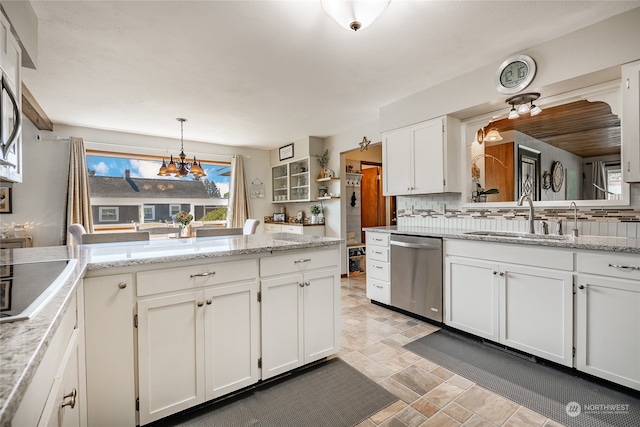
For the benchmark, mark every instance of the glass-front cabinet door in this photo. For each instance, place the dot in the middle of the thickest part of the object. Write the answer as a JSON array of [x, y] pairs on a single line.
[[280, 183], [299, 180]]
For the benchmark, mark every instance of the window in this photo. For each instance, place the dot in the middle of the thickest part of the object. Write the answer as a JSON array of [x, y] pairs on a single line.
[[108, 214], [125, 190], [614, 181], [149, 213], [173, 210]]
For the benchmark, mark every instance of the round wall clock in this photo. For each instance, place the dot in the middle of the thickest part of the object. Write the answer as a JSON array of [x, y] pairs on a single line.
[[557, 176], [515, 74]]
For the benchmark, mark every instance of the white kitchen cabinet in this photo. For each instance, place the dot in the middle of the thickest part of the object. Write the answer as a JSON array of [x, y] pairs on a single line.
[[11, 99], [309, 230], [378, 267], [187, 351], [630, 92], [109, 337], [54, 396], [472, 296], [607, 317], [518, 296], [294, 181], [300, 310], [422, 158]]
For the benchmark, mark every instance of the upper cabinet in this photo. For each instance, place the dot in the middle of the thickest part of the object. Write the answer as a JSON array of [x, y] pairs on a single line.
[[422, 158], [294, 170], [631, 122], [11, 117]]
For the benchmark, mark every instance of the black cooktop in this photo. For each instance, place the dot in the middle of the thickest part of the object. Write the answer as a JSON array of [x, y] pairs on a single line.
[[25, 288]]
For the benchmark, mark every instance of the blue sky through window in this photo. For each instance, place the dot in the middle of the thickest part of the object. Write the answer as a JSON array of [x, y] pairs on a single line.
[[115, 166]]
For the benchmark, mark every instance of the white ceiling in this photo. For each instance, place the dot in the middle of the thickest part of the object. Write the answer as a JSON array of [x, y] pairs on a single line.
[[263, 73]]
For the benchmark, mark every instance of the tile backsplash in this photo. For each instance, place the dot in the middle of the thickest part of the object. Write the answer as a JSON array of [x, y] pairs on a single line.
[[445, 211]]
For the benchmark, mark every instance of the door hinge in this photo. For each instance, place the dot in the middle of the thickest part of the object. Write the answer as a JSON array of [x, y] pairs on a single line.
[[135, 320], [260, 363], [574, 352], [259, 296], [138, 404], [444, 182]]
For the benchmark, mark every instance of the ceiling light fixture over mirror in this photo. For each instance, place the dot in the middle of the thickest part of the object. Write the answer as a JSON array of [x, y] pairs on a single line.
[[522, 102], [356, 14], [181, 168]]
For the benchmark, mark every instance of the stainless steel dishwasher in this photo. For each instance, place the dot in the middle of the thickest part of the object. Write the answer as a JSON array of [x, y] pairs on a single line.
[[416, 275]]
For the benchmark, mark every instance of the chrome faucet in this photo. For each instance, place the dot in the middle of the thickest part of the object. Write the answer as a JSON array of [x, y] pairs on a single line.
[[531, 215], [574, 232]]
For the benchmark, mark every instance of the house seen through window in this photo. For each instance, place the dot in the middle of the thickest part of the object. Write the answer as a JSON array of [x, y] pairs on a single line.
[[126, 191]]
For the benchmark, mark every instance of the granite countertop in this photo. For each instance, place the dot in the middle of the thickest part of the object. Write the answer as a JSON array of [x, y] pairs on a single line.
[[611, 244], [23, 343]]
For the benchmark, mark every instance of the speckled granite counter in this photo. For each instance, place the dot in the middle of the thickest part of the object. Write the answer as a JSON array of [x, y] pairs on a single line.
[[23, 343], [611, 244]]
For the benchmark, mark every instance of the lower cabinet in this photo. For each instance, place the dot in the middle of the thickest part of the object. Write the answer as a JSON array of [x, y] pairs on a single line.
[[110, 360], [55, 395], [196, 346], [607, 317], [300, 309], [526, 307]]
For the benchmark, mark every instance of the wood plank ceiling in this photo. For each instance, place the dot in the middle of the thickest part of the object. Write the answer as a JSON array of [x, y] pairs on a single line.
[[584, 128]]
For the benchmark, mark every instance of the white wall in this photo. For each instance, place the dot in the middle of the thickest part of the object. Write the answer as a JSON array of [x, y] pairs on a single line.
[[40, 200]]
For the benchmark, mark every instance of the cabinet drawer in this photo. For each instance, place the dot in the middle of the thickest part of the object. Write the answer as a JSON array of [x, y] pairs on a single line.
[[378, 239], [621, 265], [272, 228], [378, 270], [379, 290], [195, 276], [378, 253], [296, 229], [300, 261]]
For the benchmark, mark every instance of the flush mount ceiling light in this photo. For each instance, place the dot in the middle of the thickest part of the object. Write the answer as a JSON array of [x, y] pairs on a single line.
[[181, 168], [354, 14], [521, 101]]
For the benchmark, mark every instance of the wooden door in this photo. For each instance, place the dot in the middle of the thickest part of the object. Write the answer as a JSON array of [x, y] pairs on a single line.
[[372, 213], [497, 175]]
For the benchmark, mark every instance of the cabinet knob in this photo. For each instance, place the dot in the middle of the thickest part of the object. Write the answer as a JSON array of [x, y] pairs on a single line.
[[307, 283], [200, 303], [122, 285], [72, 399], [495, 272], [301, 284], [502, 273], [581, 287], [209, 301]]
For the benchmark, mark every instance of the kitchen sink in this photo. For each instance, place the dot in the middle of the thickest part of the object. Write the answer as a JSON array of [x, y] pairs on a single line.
[[517, 235]]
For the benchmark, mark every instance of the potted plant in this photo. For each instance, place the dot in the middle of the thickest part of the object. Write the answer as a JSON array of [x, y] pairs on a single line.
[[323, 161], [315, 211]]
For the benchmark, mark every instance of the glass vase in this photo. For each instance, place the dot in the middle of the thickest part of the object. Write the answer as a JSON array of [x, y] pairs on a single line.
[[185, 231]]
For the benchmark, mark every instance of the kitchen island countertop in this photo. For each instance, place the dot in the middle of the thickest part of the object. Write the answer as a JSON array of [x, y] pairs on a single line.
[[23, 343]]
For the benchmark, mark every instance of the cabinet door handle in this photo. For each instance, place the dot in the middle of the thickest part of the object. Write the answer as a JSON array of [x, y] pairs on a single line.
[[72, 399], [378, 286], [209, 301], [210, 273], [200, 303], [122, 285], [626, 267], [17, 115], [302, 260]]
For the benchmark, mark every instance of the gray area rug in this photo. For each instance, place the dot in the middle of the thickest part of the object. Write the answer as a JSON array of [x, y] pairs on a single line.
[[548, 390], [331, 394]]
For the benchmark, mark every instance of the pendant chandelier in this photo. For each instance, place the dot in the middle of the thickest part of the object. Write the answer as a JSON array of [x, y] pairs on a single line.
[[181, 168]]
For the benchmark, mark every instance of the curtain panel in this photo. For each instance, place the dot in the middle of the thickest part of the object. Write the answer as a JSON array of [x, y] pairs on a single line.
[[238, 211], [78, 198]]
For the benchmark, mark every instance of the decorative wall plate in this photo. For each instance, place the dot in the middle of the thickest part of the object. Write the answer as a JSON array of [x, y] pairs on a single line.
[[557, 176]]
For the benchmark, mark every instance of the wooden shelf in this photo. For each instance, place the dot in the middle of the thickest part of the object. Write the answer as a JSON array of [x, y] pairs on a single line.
[[327, 197], [326, 179]]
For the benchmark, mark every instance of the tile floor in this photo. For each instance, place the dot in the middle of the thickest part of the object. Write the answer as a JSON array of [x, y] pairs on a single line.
[[429, 395]]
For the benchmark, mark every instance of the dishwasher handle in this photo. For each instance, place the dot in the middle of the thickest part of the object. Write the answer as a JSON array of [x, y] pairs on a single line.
[[416, 245]]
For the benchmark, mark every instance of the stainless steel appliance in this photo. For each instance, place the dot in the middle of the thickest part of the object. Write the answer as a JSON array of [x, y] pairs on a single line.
[[416, 275]]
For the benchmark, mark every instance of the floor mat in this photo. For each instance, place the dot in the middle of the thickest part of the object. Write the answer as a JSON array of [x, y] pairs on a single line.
[[331, 394], [552, 392]]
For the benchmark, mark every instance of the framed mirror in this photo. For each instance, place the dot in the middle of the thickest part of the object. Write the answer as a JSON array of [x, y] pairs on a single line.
[[569, 152]]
